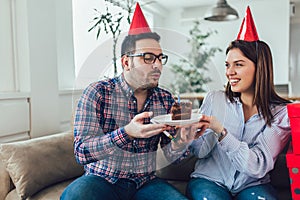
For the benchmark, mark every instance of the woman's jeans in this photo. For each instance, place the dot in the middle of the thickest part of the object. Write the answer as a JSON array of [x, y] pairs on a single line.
[[93, 187], [203, 189]]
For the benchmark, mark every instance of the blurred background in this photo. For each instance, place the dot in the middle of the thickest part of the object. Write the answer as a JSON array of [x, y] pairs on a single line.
[[51, 49]]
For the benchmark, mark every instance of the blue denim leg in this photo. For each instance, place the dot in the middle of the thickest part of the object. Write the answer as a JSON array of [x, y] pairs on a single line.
[[93, 187], [200, 189], [158, 189], [259, 192]]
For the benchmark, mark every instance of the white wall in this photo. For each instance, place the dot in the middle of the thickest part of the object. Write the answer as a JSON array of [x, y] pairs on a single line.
[[7, 82], [42, 68], [174, 25], [64, 44], [272, 27], [86, 42], [295, 52]]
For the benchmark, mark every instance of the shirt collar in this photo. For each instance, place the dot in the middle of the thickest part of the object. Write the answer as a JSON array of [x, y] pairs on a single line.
[[237, 100], [124, 86]]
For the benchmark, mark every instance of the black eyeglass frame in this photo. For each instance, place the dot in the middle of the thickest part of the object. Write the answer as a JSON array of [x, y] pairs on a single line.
[[163, 56]]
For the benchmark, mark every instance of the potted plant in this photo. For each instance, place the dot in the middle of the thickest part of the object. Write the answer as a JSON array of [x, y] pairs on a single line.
[[110, 23], [190, 72]]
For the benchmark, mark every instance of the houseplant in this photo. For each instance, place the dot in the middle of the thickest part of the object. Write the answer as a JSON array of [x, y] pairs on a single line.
[[190, 71], [110, 22]]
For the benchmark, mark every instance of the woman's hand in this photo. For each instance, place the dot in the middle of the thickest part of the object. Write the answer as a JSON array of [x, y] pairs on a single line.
[[213, 123], [187, 133]]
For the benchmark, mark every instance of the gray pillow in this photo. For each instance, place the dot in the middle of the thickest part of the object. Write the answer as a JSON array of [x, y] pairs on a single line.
[[37, 163]]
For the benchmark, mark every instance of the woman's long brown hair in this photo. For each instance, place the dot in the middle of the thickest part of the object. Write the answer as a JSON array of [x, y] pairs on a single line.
[[265, 95]]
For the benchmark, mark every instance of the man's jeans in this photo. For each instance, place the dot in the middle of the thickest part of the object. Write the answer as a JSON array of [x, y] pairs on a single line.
[[93, 187], [200, 188]]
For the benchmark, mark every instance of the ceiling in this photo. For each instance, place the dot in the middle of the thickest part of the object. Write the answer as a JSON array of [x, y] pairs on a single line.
[[169, 4], [183, 3]]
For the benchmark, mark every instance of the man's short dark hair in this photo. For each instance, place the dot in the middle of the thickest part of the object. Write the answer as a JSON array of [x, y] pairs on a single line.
[[129, 43]]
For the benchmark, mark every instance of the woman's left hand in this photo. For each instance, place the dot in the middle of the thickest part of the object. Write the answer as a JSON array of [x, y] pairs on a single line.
[[213, 123]]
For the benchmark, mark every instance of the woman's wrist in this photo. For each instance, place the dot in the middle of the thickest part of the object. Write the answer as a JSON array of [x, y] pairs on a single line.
[[222, 134]]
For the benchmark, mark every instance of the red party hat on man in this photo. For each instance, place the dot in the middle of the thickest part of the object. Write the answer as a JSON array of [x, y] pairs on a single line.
[[248, 30], [139, 24]]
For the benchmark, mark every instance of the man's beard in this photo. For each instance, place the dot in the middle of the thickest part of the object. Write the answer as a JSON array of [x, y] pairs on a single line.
[[148, 84]]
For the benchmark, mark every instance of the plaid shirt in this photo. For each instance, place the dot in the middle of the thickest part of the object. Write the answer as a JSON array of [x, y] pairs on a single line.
[[100, 141]]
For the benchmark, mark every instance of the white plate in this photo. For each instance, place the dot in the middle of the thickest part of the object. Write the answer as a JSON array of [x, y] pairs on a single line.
[[166, 119]]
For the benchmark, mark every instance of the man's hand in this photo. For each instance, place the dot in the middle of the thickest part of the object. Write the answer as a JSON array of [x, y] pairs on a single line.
[[136, 128]]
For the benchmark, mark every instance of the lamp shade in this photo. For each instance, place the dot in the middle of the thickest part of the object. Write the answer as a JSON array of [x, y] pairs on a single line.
[[221, 12]]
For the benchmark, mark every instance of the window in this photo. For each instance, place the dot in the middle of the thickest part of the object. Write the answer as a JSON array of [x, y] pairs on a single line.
[[93, 57], [7, 60]]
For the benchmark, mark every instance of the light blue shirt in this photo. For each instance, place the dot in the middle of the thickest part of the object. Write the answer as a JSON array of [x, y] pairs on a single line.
[[249, 150]]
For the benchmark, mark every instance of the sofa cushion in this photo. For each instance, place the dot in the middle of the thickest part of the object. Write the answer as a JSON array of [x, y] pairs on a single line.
[[51, 192], [5, 181], [179, 172], [37, 163], [280, 173]]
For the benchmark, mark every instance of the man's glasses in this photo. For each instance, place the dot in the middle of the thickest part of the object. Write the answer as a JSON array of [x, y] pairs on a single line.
[[150, 58]]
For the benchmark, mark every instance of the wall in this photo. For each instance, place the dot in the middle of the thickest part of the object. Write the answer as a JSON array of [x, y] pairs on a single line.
[[295, 52], [173, 24], [37, 57], [41, 46], [7, 82], [272, 27], [15, 118]]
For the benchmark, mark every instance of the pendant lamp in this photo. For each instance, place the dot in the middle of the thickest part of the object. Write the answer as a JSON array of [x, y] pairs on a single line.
[[221, 12]]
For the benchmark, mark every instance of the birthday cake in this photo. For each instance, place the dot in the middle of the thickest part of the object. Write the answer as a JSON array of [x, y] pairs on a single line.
[[181, 110]]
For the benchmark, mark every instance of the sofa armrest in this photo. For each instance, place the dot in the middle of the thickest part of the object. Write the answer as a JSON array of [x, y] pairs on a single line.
[[6, 183], [40, 162]]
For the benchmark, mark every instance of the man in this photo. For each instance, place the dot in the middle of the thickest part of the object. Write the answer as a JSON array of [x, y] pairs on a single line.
[[114, 138]]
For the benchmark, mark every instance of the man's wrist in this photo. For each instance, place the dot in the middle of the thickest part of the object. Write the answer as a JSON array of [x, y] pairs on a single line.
[[125, 131]]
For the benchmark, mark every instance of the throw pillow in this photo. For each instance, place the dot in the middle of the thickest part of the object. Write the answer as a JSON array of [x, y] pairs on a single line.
[[37, 163]]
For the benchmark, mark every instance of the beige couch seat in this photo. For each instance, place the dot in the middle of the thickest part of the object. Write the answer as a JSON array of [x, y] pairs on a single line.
[[39, 168]]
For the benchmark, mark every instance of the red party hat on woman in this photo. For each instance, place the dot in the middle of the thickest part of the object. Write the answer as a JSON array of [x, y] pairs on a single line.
[[248, 30], [139, 24]]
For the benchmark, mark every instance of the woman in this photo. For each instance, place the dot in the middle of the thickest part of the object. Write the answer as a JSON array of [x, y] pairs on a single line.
[[248, 128]]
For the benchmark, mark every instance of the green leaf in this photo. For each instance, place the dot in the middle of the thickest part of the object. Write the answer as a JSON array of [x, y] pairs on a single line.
[[98, 32], [193, 69]]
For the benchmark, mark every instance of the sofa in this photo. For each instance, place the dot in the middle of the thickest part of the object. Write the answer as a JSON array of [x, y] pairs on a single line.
[[40, 169]]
